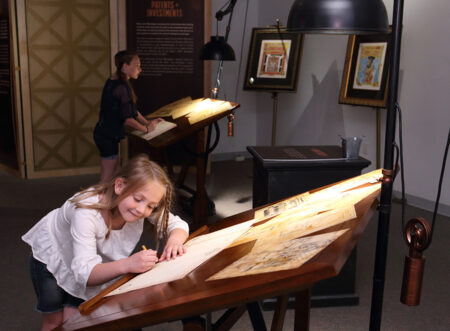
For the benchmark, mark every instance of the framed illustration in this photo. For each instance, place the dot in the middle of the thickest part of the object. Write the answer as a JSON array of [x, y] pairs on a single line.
[[366, 71], [274, 60]]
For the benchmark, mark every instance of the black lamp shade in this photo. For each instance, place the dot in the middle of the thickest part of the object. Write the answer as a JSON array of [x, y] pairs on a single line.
[[338, 17], [217, 49]]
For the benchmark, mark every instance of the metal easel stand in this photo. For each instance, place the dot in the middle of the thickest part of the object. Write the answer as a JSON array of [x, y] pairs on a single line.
[[387, 185], [274, 117]]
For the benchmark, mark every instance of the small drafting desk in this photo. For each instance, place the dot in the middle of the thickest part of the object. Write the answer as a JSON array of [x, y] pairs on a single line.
[[193, 295], [183, 130]]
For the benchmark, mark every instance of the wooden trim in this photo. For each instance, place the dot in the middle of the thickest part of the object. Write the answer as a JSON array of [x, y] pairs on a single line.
[[25, 89], [118, 35], [122, 19], [10, 170], [121, 35], [113, 29], [89, 305], [64, 172], [17, 102]]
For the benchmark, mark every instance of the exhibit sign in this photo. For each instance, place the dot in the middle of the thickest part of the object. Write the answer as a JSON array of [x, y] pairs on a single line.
[[168, 37]]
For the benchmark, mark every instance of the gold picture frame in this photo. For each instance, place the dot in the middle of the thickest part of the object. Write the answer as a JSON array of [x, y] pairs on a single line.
[[366, 71], [274, 60]]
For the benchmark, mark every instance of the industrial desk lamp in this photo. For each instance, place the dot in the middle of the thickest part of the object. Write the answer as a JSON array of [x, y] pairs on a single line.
[[363, 17], [218, 49]]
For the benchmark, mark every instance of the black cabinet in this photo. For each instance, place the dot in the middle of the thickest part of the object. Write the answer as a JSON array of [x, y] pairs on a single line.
[[283, 171]]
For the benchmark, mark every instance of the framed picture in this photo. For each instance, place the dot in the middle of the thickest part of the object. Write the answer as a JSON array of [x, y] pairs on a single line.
[[366, 71], [273, 60]]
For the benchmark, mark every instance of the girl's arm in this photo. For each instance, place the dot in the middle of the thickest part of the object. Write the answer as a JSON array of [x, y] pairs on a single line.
[[140, 261], [141, 119], [134, 124], [174, 246], [87, 228], [136, 263], [141, 123]]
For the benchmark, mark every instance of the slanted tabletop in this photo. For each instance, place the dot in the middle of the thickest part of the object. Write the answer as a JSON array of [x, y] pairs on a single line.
[[188, 124], [193, 295]]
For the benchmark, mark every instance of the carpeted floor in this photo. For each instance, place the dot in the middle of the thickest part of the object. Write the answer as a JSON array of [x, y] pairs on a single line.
[[24, 202]]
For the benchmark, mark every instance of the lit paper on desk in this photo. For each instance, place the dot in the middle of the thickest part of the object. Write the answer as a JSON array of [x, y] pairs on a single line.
[[278, 256], [280, 242], [181, 108], [307, 199], [282, 206], [160, 128], [321, 209], [166, 111], [186, 108], [208, 108], [198, 250], [194, 110], [291, 225]]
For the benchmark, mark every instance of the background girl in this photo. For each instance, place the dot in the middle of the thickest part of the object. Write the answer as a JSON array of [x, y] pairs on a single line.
[[81, 247], [118, 108]]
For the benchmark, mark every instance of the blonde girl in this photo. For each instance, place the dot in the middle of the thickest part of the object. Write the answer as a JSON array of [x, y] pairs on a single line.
[[81, 247]]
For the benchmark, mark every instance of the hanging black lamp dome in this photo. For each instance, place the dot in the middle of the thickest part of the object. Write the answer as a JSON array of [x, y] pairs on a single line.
[[338, 17], [217, 49]]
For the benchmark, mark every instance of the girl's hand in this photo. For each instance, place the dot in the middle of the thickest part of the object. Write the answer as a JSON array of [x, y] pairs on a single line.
[[142, 261], [173, 249], [151, 125]]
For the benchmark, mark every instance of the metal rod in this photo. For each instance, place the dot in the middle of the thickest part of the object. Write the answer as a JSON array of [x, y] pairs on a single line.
[[386, 188], [215, 90], [274, 117], [378, 138]]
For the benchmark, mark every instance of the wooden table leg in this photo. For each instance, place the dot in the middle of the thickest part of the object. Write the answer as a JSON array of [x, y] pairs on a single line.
[[280, 312], [302, 308], [200, 207]]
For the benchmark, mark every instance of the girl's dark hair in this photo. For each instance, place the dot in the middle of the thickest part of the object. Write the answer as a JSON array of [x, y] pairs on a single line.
[[122, 57], [136, 173]]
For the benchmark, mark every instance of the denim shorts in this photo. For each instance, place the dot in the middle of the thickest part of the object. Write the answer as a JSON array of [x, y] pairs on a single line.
[[108, 147], [51, 297]]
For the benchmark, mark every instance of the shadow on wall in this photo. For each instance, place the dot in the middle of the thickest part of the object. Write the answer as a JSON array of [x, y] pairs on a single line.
[[322, 120]]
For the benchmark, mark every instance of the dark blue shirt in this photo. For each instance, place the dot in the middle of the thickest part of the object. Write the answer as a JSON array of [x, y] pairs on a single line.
[[116, 106]]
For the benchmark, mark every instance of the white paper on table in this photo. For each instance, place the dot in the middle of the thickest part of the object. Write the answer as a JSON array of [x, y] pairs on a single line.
[[199, 250], [161, 127]]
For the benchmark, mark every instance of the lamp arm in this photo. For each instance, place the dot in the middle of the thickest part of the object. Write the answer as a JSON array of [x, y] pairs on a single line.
[[219, 15], [229, 10]]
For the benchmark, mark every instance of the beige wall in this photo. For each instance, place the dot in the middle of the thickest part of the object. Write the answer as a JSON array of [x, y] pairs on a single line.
[[64, 49]]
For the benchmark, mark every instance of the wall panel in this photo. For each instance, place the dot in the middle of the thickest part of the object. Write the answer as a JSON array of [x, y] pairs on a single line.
[[68, 58]]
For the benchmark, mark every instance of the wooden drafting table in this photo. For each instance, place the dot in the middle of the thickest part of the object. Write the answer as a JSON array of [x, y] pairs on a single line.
[[183, 130], [192, 295]]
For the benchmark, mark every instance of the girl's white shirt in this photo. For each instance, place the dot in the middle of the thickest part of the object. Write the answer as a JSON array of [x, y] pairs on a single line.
[[71, 241]]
